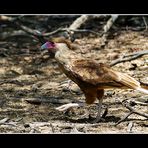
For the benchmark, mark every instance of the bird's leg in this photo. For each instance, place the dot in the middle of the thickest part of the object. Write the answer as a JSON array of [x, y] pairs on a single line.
[[98, 118], [105, 112], [70, 105]]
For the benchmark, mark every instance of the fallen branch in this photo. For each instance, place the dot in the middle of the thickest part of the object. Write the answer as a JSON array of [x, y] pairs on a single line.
[[136, 112], [109, 23], [2, 121], [132, 111], [130, 126], [123, 119], [125, 58], [75, 25], [40, 36], [138, 103], [79, 21], [107, 27], [145, 23]]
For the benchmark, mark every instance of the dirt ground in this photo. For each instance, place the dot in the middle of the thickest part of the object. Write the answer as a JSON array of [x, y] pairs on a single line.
[[27, 74]]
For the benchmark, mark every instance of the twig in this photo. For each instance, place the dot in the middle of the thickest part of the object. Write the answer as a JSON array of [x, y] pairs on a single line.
[[106, 28], [85, 30], [40, 36], [125, 58], [78, 22], [52, 128], [109, 23], [132, 111], [28, 30], [136, 112], [130, 126], [123, 119], [142, 52], [2, 121], [139, 103], [145, 23]]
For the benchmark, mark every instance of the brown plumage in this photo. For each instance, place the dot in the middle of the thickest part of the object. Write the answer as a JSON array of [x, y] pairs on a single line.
[[90, 76]]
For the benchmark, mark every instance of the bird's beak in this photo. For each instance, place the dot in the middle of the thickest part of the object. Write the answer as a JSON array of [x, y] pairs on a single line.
[[44, 46]]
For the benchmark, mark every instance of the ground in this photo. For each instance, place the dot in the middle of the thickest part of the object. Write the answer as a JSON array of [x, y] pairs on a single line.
[[26, 74]]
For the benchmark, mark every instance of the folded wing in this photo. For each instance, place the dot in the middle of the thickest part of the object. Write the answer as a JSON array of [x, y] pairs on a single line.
[[101, 75]]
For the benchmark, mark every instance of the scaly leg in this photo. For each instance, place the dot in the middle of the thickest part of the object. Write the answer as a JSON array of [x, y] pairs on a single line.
[[98, 118]]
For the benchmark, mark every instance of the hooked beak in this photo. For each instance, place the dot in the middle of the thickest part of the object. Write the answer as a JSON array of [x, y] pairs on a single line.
[[44, 46]]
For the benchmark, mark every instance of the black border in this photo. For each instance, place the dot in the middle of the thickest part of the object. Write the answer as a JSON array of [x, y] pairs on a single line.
[[74, 140], [73, 7]]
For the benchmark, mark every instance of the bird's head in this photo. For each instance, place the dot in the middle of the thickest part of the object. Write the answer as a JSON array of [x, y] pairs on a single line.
[[50, 46], [55, 44]]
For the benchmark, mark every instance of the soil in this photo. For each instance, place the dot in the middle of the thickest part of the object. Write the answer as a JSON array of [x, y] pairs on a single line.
[[26, 73]]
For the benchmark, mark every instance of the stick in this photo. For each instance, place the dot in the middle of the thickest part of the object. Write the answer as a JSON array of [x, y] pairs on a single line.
[[132, 111], [130, 126], [145, 23], [109, 23], [139, 103], [40, 36], [78, 22], [125, 58], [2, 121], [106, 28], [123, 119]]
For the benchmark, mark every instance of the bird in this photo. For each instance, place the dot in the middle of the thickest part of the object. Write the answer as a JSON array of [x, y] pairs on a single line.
[[92, 77]]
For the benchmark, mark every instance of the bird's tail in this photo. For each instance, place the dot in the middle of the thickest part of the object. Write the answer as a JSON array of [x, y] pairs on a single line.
[[130, 82]]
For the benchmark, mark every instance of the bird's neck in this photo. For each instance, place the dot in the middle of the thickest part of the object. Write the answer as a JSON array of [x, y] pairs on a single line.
[[64, 55]]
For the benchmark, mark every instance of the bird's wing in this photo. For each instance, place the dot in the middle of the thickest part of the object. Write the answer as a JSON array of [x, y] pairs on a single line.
[[101, 75]]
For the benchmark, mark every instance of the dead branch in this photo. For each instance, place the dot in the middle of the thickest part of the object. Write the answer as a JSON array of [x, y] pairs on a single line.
[[107, 27], [2, 121], [127, 57], [145, 23], [28, 30], [78, 22], [130, 126], [132, 111], [138, 103], [109, 23], [40, 36], [75, 25]]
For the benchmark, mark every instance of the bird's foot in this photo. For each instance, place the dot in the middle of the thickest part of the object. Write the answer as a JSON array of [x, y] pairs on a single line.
[[69, 105]]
